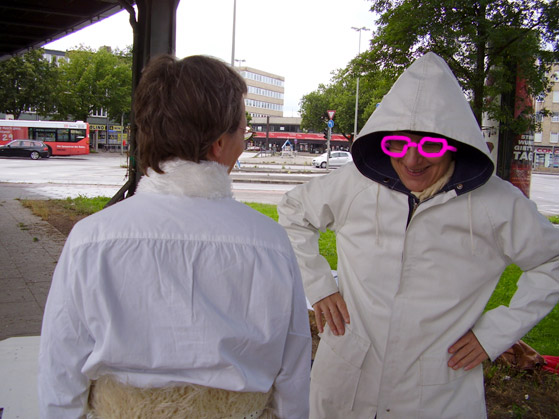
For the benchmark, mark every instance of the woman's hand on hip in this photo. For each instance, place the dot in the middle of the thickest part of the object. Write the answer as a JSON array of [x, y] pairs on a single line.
[[467, 352], [333, 309]]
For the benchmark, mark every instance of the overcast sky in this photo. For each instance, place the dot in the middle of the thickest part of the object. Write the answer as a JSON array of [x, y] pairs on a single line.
[[301, 40]]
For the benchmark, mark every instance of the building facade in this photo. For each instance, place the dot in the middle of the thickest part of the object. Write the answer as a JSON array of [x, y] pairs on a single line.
[[265, 92], [546, 140]]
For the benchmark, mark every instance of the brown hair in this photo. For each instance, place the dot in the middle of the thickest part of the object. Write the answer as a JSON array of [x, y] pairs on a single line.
[[182, 106]]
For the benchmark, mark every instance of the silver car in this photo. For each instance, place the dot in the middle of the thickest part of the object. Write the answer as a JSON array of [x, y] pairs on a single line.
[[337, 158]]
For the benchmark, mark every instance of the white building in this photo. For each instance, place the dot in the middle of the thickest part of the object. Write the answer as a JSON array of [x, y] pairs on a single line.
[[265, 92], [546, 141]]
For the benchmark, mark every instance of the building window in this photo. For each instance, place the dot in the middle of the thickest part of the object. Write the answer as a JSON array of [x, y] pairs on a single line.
[[264, 92], [555, 117], [538, 137], [263, 105], [556, 96], [99, 113], [264, 79], [554, 138]]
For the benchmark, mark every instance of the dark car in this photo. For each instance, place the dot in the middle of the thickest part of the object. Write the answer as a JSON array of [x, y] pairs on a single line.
[[25, 148]]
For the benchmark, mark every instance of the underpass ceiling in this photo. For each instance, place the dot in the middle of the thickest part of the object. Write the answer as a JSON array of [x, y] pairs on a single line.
[[29, 24]]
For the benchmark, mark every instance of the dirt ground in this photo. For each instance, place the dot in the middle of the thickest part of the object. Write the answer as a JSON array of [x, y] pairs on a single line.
[[510, 393]]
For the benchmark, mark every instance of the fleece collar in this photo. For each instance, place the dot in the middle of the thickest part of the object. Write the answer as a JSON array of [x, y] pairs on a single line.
[[206, 179]]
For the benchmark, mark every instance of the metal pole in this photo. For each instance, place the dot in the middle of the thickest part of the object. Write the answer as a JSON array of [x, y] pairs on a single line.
[[234, 24], [357, 85], [328, 148], [356, 105]]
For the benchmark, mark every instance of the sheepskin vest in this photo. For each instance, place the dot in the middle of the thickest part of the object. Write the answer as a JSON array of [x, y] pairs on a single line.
[[109, 399]]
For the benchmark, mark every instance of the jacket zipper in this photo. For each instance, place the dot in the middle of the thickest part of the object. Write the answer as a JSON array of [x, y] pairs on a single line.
[[413, 203]]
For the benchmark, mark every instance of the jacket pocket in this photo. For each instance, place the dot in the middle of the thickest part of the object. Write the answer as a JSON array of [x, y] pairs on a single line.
[[435, 371], [448, 393], [336, 371]]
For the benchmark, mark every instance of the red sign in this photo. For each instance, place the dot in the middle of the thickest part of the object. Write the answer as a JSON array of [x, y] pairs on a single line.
[[331, 114]]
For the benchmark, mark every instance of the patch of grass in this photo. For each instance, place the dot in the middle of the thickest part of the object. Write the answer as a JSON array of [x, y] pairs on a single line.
[[266, 209], [39, 208], [83, 205], [78, 206], [327, 248], [554, 219], [326, 241], [505, 288], [64, 213], [544, 337]]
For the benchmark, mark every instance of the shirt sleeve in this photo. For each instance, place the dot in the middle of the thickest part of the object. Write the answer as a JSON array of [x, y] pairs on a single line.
[[64, 348], [304, 213], [530, 241], [291, 387]]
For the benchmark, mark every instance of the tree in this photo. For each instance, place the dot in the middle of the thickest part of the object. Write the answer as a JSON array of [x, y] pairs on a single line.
[[481, 40], [339, 95], [26, 83], [91, 81]]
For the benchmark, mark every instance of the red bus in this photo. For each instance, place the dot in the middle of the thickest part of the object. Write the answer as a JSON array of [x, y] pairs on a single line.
[[62, 138]]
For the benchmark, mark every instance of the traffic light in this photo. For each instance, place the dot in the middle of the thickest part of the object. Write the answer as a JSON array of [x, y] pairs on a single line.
[[326, 134]]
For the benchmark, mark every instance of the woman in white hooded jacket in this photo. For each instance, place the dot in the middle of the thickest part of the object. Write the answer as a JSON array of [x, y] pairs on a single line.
[[422, 242]]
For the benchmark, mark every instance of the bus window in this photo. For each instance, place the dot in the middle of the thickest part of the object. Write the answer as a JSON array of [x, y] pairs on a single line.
[[63, 135], [77, 135], [43, 134]]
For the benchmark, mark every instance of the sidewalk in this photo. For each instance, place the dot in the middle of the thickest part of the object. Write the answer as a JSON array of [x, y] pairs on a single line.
[[29, 250]]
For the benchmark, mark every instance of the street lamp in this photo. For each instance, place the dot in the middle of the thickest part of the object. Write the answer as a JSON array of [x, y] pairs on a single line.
[[357, 87], [234, 23], [239, 62]]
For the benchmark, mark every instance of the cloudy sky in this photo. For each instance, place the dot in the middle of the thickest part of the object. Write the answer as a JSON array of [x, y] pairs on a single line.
[[301, 40]]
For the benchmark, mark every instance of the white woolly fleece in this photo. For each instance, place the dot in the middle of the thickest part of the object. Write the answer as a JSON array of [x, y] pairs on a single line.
[[206, 179]]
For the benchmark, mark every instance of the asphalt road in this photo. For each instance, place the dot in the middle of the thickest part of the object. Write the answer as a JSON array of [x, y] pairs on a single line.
[[103, 174]]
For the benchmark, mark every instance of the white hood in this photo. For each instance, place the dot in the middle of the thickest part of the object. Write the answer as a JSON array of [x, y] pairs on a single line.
[[425, 98]]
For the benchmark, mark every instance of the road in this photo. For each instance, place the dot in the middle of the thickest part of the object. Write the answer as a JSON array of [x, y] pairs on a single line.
[[103, 174]]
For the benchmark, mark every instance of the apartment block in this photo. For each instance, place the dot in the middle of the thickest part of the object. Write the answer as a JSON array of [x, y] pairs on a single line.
[[265, 92], [546, 141]]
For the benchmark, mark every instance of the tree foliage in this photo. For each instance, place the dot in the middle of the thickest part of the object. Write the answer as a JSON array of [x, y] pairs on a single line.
[[340, 94], [487, 44], [26, 83], [482, 41], [90, 81]]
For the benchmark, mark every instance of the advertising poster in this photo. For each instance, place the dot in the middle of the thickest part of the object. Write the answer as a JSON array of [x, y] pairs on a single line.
[[523, 147]]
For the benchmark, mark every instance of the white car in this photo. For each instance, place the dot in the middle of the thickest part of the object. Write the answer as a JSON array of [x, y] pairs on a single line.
[[337, 158]]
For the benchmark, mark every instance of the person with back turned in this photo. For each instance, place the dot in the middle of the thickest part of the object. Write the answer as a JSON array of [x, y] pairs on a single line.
[[178, 301]]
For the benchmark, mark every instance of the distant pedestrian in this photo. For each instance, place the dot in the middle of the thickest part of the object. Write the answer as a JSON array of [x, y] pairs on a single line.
[[424, 231], [178, 301]]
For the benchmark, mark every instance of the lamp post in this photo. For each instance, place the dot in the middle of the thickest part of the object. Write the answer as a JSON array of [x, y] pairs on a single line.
[[357, 86], [234, 23]]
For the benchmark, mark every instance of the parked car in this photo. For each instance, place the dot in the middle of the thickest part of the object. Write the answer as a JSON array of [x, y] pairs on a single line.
[[25, 148], [337, 158]]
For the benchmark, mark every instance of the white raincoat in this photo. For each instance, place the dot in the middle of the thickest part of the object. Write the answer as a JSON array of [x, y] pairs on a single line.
[[178, 284], [415, 282]]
